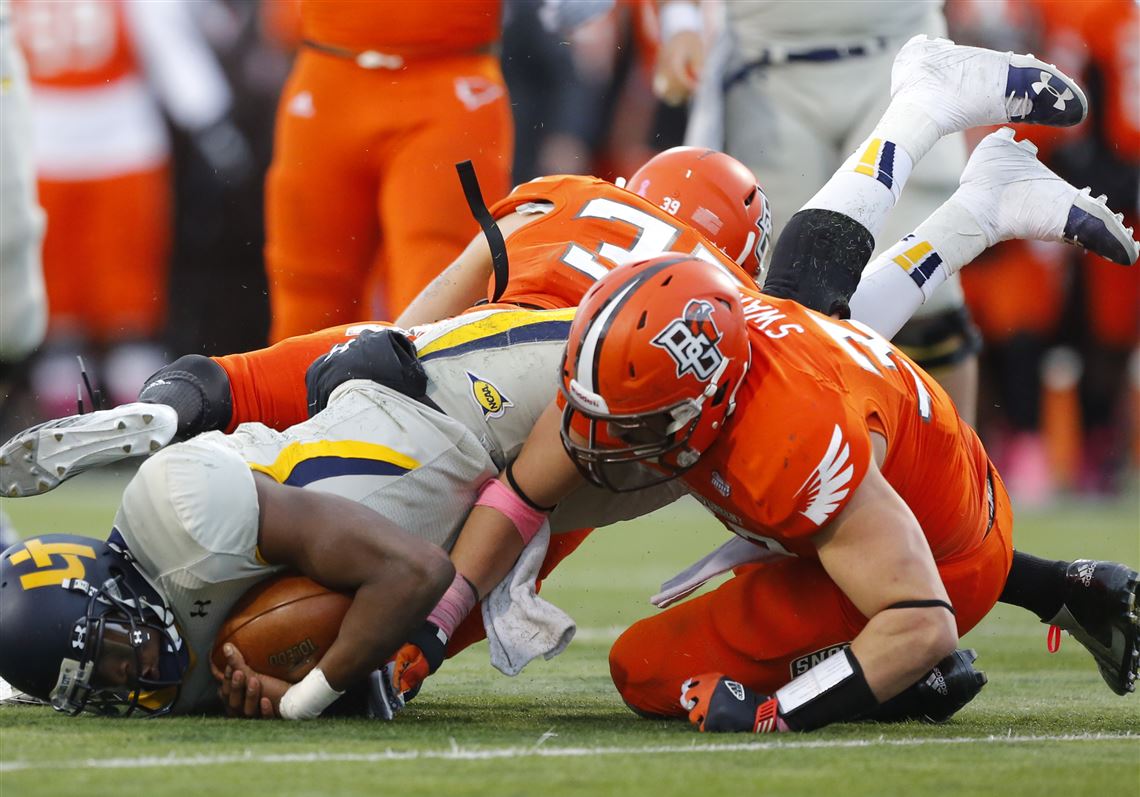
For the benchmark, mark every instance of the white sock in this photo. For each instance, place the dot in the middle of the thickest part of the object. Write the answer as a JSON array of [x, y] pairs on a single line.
[[901, 279], [868, 184]]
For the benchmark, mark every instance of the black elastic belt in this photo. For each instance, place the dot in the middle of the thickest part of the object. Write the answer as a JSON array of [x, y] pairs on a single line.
[[821, 55]]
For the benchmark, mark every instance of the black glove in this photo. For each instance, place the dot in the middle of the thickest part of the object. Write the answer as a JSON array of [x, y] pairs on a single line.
[[383, 355], [938, 695]]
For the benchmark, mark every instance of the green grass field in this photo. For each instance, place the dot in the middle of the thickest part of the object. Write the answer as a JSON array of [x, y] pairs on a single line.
[[1045, 724]]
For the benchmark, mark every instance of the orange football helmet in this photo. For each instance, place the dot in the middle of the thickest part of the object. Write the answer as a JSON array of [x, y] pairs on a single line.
[[655, 356], [715, 194]]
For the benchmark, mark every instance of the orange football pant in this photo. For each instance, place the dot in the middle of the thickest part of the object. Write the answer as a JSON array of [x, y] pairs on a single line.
[[362, 198], [763, 626], [105, 254]]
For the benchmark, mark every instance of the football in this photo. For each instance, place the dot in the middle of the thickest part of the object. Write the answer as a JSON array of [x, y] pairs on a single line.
[[283, 626]]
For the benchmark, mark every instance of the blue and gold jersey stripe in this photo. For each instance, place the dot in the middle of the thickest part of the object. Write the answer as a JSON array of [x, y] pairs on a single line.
[[299, 464], [501, 329]]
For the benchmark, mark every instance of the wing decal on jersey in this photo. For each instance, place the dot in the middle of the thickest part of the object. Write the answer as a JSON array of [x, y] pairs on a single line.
[[827, 485]]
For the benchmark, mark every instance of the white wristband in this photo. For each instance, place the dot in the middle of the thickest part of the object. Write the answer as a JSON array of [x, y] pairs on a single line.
[[678, 16], [306, 699]]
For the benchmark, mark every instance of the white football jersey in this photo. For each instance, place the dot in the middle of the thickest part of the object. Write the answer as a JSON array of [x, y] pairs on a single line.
[[190, 515]]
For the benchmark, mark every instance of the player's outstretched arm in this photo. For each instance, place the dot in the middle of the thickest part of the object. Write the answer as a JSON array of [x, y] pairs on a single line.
[[876, 553], [500, 525], [461, 284], [396, 579]]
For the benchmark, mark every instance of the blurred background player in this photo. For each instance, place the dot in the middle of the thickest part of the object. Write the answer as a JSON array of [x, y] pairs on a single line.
[[362, 203], [790, 89], [23, 302], [102, 73]]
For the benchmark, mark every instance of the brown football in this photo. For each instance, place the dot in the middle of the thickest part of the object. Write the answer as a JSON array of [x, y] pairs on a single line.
[[283, 626]]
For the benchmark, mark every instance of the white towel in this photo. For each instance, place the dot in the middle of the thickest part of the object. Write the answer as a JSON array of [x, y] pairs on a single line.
[[520, 625], [737, 551]]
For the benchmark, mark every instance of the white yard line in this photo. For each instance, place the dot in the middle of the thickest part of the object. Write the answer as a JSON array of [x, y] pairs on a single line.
[[457, 753]]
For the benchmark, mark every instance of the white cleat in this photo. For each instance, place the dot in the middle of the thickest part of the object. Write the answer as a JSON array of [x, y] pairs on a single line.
[[1011, 194], [38, 459], [960, 87]]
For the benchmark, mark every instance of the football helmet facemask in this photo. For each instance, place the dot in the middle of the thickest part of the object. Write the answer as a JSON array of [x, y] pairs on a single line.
[[81, 627], [655, 356], [715, 194]]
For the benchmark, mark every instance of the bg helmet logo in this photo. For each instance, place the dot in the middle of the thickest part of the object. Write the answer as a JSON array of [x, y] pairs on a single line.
[[49, 571], [492, 402], [691, 341]]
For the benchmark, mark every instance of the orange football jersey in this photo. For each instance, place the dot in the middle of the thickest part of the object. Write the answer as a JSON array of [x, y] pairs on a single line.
[[591, 226], [799, 443], [422, 27]]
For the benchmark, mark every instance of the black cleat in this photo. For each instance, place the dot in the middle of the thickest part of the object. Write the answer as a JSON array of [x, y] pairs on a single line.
[[938, 695], [1100, 613]]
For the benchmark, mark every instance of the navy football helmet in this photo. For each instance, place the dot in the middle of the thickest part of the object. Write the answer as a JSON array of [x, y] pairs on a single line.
[[81, 627]]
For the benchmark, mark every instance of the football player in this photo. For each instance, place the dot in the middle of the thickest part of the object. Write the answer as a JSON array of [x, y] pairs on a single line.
[[1005, 193], [365, 497], [208, 404]]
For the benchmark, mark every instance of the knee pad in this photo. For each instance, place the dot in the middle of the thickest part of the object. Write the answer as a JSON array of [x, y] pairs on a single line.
[[940, 340], [818, 260], [199, 391]]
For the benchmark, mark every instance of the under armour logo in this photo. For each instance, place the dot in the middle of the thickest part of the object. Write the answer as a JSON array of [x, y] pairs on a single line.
[[200, 608], [79, 636], [1045, 85]]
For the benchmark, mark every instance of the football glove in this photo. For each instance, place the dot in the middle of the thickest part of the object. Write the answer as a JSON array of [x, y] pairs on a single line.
[[718, 704], [419, 657], [939, 694]]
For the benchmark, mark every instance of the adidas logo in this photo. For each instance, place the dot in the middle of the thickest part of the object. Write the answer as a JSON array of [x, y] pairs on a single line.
[[1085, 570], [736, 688], [937, 682], [1045, 85], [302, 105]]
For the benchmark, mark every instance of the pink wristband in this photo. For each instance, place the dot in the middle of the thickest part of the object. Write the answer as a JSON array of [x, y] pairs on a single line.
[[502, 498], [454, 606]]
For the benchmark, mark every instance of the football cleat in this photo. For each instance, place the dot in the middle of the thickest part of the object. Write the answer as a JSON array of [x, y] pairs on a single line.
[[1100, 612], [938, 695], [1011, 194], [39, 459], [961, 87]]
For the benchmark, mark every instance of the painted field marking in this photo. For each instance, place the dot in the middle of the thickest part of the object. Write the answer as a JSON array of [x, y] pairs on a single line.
[[456, 753]]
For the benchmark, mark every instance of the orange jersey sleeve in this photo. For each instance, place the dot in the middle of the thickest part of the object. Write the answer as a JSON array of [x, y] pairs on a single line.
[[799, 443], [589, 226], [422, 27], [268, 385]]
